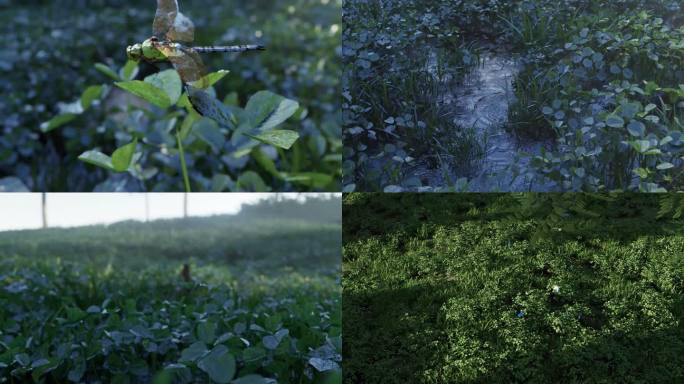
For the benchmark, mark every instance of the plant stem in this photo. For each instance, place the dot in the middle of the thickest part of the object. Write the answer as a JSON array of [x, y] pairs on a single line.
[[184, 168]]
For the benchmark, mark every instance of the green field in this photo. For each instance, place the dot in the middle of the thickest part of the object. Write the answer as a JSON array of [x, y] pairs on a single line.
[[107, 304], [514, 288]]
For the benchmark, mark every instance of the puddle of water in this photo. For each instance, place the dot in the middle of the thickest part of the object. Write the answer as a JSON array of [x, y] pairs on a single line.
[[482, 103]]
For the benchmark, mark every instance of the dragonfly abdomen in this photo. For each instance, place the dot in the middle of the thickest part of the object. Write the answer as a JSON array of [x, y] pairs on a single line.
[[231, 48]]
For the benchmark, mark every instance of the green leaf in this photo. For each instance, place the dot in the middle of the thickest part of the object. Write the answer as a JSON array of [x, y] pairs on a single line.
[[251, 182], [188, 123], [220, 182], [206, 332], [615, 121], [642, 172], [636, 128], [129, 70], [57, 121], [208, 132], [193, 352], [266, 110], [90, 94], [163, 377], [252, 354], [219, 365], [97, 158], [107, 71], [121, 158], [169, 82], [210, 79], [664, 166], [270, 342], [147, 91], [310, 179], [640, 146], [265, 162], [75, 314], [12, 184], [279, 138]]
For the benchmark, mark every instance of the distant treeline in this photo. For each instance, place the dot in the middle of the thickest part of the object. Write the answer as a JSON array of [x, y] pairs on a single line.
[[267, 236]]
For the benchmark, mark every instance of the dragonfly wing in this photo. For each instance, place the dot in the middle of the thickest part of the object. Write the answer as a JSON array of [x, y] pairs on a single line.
[[165, 17], [189, 66], [182, 29], [172, 25]]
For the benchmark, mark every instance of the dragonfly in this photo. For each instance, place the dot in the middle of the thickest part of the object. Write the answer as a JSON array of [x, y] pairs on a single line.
[[173, 34]]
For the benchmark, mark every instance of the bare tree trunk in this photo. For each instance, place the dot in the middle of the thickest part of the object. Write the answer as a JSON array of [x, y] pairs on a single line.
[[44, 209], [185, 205], [147, 208]]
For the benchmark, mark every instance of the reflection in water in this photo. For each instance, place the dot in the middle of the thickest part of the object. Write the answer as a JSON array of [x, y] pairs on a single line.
[[481, 102]]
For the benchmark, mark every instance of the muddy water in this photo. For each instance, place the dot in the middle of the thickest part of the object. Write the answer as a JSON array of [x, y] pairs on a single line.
[[482, 102]]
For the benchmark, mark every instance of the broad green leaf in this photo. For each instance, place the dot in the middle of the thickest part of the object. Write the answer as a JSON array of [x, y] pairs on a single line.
[[23, 359], [231, 99], [206, 331], [210, 79], [642, 172], [208, 132], [107, 71], [57, 121], [252, 354], [12, 184], [220, 182], [121, 158], [75, 314], [251, 182], [664, 166], [218, 364], [193, 352], [265, 162], [615, 121], [129, 70], [310, 179], [641, 146], [266, 110], [279, 138], [270, 342], [636, 128], [187, 124], [169, 82], [98, 158], [90, 94], [147, 91], [163, 377]]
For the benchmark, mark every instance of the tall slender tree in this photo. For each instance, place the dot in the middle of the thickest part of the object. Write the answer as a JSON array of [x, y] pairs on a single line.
[[44, 209], [185, 204], [147, 208]]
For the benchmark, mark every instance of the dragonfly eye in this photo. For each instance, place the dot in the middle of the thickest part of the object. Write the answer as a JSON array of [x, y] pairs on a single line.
[[134, 52]]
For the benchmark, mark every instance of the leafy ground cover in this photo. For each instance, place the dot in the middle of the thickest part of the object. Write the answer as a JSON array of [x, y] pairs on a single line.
[[529, 288], [87, 309], [600, 81], [62, 100]]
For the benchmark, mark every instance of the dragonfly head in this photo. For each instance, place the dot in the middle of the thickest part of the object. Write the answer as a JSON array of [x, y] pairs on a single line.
[[134, 52]]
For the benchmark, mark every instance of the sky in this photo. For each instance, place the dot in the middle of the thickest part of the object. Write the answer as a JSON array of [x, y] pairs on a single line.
[[23, 210]]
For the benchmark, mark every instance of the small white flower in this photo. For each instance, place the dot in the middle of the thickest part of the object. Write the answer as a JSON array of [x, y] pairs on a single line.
[[556, 289]]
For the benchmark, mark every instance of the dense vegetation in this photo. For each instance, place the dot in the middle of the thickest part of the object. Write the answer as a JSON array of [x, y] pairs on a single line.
[[107, 304], [62, 59], [512, 288], [600, 80]]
